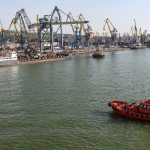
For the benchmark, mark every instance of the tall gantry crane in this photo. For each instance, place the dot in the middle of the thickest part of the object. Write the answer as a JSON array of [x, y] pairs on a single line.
[[3, 38], [14, 23], [29, 40], [71, 37], [14, 33], [79, 32], [111, 30], [70, 18], [135, 31], [82, 28], [84, 32], [142, 36], [131, 31], [51, 26], [137, 35]]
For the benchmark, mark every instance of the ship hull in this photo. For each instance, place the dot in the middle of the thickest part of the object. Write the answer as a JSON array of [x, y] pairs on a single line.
[[131, 111], [8, 62], [97, 55]]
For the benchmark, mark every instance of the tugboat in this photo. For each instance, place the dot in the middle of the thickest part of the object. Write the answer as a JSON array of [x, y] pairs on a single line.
[[139, 111], [98, 55], [99, 52]]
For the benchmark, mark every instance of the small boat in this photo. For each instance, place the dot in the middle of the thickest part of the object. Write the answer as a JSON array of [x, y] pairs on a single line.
[[99, 52], [9, 60], [135, 46], [140, 111], [98, 55]]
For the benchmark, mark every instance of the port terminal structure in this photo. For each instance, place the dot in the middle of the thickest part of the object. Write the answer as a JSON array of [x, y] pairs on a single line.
[[27, 36], [135, 39], [34, 42], [3, 37], [112, 31], [48, 35]]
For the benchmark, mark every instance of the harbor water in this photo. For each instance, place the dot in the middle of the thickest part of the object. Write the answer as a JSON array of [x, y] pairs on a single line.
[[63, 105]]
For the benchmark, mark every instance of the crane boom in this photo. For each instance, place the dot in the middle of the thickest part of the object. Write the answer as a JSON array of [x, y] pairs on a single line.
[[1, 24], [110, 27], [28, 35], [112, 31]]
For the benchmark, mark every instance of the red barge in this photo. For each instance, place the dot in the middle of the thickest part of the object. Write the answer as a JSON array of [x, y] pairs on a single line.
[[140, 111]]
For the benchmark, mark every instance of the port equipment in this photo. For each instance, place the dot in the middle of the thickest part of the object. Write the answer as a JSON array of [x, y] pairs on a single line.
[[83, 33], [28, 40], [135, 32], [76, 31], [78, 37], [142, 36], [137, 35], [3, 37], [14, 33], [131, 32], [70, 18], [51, 27], [112, 31], [82, 28], [88, 33], [71, 37]]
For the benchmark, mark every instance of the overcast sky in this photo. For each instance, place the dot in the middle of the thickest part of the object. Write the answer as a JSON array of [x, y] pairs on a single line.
[[120, 12]]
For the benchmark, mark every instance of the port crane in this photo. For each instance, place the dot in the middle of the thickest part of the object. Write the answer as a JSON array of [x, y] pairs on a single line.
[[82, 28], [112, 31], [71, 38], [137, 35], [79, 32], [83, 32], [51, 26], [135, 31], [131, 31], [13, 22], [14, 33], [142, 36], [29, 40], [70, 18], [3, 38]]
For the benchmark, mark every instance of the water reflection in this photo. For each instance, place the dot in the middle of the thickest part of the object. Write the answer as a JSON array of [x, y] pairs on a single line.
[[13, 70]]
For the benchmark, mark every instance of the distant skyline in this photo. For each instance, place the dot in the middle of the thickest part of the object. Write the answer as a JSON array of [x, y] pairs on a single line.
[[120, 12]]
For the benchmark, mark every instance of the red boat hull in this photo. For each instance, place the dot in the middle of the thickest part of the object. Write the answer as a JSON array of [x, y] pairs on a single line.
[[129, 110]]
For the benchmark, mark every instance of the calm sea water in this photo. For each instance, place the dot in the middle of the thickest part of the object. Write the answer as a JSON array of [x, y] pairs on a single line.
[[63, 105]]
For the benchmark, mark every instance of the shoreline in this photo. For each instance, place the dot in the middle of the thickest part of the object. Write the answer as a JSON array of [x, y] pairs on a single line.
[[19, 63], [115, 49], [42, 60], [81, 52]]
